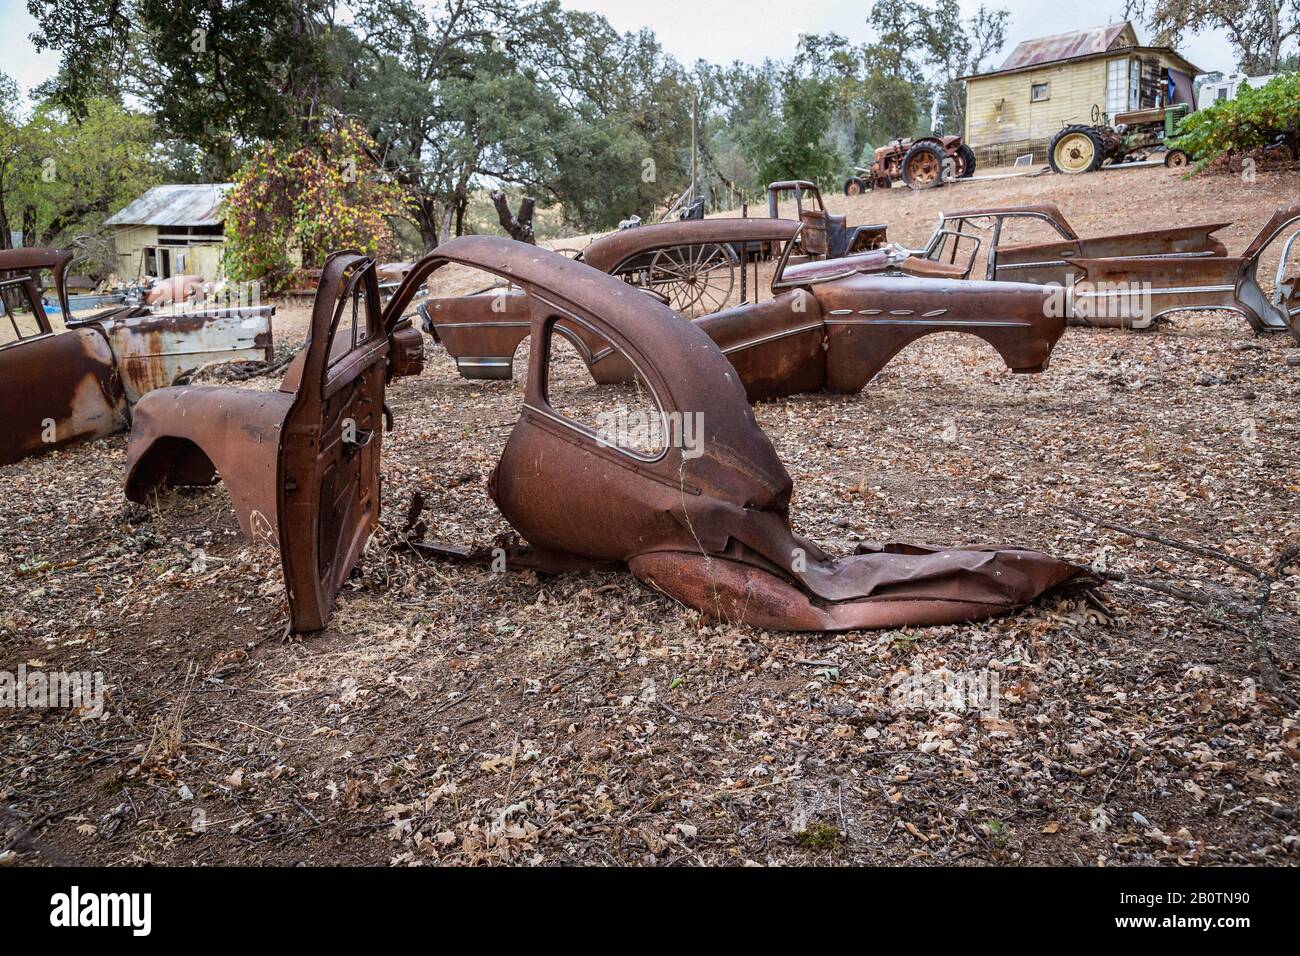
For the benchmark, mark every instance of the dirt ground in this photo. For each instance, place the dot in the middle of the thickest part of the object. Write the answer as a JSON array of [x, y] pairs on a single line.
[[459, 716]]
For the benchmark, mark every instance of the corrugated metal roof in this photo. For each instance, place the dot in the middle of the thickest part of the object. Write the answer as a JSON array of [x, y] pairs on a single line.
[[186, 205], [1063, 46]]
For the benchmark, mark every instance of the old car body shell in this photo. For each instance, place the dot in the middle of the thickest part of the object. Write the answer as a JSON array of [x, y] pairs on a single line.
[[712, 529]]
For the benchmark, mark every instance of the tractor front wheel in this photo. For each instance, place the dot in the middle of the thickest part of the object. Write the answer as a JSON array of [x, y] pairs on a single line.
[[1075, 149], [923, 166], [1176, 159], [854, 185]]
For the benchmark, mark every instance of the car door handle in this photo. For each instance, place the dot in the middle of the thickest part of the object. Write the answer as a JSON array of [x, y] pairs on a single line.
[[354, 445]]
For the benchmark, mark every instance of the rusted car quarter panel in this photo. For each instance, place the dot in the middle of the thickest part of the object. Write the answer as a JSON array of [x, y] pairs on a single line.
[[1133, 293], [57, 390]]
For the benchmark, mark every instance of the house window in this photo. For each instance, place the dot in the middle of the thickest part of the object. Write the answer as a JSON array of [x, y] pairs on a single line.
[[1117, 87], [1039, 92]]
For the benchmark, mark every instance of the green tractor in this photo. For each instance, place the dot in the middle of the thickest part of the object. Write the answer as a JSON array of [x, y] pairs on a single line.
[[1135, 136]]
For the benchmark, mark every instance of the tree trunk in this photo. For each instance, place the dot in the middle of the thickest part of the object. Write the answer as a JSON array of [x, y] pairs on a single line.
[[426, 220], [29, 226], [5, 242]]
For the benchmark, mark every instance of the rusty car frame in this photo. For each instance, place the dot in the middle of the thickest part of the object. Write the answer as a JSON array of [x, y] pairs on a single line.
[[710, 528], [75, 384]]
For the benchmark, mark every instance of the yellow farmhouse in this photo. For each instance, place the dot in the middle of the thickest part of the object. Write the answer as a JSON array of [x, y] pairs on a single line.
[[1083, 77]]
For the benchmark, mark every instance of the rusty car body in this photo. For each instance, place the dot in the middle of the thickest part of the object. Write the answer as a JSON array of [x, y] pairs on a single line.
[[709, 526], [830, 325], [62, 386], [301, 464], [712, 530], [1122, 280]]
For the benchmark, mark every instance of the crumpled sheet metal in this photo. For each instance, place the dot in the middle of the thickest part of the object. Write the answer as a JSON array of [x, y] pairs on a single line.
[[711, 530]]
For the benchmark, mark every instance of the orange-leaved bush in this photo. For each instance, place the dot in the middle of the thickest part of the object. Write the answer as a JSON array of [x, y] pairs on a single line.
[[317, 197]]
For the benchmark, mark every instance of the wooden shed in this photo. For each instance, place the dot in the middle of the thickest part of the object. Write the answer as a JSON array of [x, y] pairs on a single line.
[[171, 230], [1084, 77]]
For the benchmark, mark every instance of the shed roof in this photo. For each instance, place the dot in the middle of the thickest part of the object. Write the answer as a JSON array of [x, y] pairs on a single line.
[[1063, 46], [182, 205]]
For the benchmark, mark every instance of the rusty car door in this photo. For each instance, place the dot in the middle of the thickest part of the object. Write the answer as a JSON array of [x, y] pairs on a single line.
[[301, 463], [328, 496]]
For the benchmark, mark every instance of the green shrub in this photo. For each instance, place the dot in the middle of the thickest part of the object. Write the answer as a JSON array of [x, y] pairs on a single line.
[[320, 197], [1238, 125]]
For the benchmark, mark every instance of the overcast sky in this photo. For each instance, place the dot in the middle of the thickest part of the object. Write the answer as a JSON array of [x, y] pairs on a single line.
[[726, 30]]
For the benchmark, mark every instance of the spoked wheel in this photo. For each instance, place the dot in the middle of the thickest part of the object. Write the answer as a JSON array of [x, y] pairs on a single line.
[[923, 166], [696, 280]]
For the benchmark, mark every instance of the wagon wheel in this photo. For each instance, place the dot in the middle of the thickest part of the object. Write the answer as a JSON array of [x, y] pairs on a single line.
[[697, 280]]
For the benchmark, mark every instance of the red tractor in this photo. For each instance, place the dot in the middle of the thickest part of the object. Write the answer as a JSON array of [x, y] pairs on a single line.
[[920, 163]]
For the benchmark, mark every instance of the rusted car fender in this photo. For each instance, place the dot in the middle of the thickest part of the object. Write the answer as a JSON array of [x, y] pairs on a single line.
[[712, 529], [1134, 293], [302, 463]]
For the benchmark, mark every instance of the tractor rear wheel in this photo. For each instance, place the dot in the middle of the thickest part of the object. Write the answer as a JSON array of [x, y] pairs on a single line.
[[965, 162], [854, 185], [1075, 149], [923, 166]]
